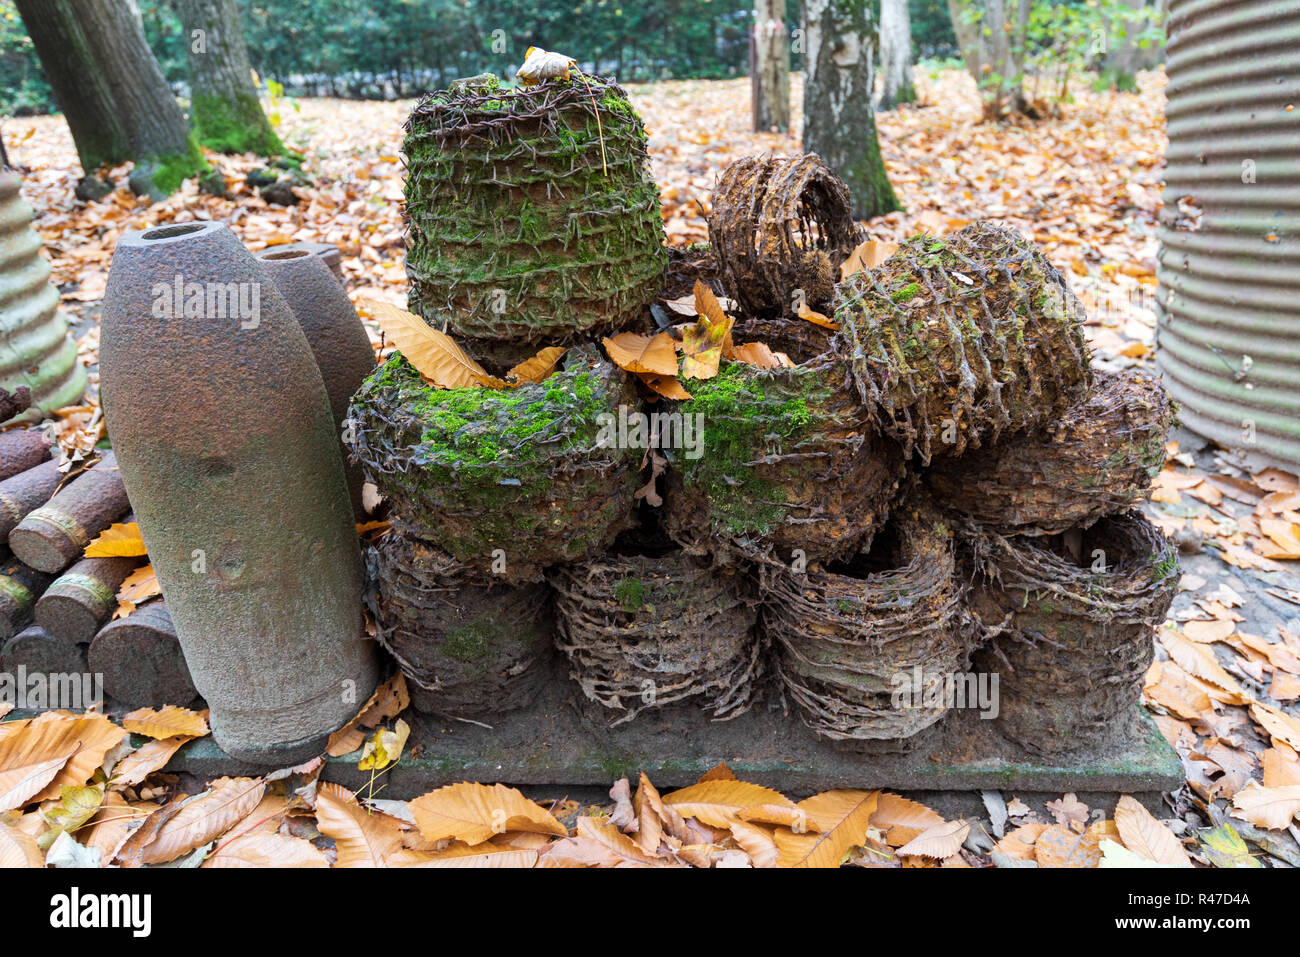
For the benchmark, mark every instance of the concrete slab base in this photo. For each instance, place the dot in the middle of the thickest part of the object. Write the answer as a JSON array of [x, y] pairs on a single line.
[[548, 750]]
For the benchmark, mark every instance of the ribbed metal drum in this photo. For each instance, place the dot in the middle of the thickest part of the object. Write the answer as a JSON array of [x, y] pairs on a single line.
[[1229, 297], [35, 348]]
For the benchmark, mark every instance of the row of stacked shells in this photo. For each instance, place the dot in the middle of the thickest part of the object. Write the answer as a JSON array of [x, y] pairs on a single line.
[[943, 478]]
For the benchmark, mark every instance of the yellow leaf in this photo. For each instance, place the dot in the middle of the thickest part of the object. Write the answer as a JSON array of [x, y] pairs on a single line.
[[666, 386], [757, 841], [902, 819], [1146, 837], [1199, 661], [1271, 808], [384, 747], [842, 818], [632, 352], [597, 845], [112, 825], [938, 840], [139, 764], [117, 541], [717, 803], [435, 355], [703, 341], [140, 585], [473, 813], [867, 255], [719, 772], [539, 367], [1059, 846], [86, 739], [364, 838], [758, 354], [18, 849], [1277, 723], [26, 767], [389, 700], [168, 722], [260, 849], [542, 65], [795, 818], [809, 314], [203, 817], [483, 857]]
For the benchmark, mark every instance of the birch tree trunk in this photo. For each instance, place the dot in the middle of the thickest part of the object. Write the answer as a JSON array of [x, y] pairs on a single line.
[[769, 67], [224, 107], [896, 54], [839, 123]]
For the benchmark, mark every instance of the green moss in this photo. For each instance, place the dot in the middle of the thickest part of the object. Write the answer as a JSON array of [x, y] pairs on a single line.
[[169, 172], [234, 126], [907, 293], [472, 642], [630, 593], [747, 415]]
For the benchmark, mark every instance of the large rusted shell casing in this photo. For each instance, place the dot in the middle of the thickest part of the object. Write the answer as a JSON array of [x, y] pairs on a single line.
[[223, 431], [1228, 303], [20, 586], [42, 654], [22, 449], [334, 331], [35, 348], [81, 600], [141, 660], [54, 535], [327, 253], [25, 492]]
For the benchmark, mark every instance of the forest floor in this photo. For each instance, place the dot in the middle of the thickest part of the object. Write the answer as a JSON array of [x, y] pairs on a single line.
[[1086, 186]]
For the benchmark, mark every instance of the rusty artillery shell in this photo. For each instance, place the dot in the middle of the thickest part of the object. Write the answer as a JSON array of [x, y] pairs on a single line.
[[20, 450], [334, 331], [40, 653], [54, 535], [141, 660], [82, 599], [20, 586], [223, 431], [327, 253], [25, 492]]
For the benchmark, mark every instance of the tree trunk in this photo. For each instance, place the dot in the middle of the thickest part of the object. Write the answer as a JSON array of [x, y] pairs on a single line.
[[991, 34], [839, 123], [157, 136], [896, 54], [77, 81], [224, 107], [1123, 57], [769, 67], [965, 26]]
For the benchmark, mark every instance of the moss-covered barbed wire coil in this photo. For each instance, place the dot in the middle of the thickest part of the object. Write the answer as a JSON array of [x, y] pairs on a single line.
[[468, 649], [781, 224], [645, 631], [518, 475], [1071, 639], [956, 341], [520, 226], [1097, 459], [788, 463], [847, 636]]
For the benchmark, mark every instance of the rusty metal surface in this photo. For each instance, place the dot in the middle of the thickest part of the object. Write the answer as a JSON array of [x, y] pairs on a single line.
[[35, 348], [1229, 298]]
